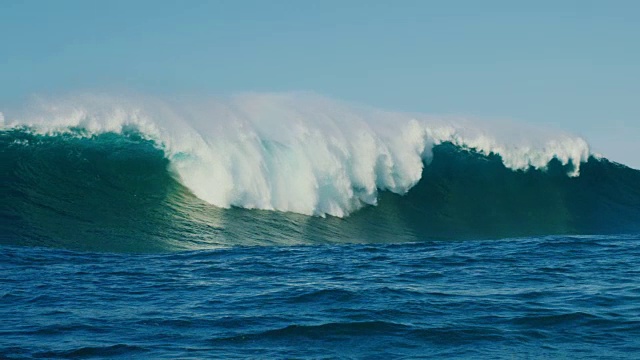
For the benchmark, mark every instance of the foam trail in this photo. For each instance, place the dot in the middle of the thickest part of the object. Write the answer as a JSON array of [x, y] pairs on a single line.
[[295, 152]]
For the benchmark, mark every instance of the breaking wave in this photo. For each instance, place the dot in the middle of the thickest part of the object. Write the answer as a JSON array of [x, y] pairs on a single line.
[[297, 153], [125, 174]]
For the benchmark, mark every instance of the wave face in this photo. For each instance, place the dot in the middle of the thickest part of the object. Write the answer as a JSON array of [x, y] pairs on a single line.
[[99, 173]]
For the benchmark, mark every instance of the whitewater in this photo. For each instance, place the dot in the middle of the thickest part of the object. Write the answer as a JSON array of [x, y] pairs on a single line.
[[294, 152]]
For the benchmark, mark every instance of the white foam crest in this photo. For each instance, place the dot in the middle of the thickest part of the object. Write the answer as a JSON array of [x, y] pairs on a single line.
[[296, 152]]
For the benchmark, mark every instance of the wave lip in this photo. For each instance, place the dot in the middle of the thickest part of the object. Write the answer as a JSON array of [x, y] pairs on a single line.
[[126, 176], [295, 152]]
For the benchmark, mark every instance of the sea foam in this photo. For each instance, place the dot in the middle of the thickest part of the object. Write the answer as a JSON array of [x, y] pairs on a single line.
[[295, 152]]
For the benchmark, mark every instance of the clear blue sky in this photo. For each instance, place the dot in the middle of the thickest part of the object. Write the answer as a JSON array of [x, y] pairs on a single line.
[[572, 64]]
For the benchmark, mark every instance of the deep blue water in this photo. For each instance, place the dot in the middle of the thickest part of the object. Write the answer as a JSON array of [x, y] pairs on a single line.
[[539, 297]]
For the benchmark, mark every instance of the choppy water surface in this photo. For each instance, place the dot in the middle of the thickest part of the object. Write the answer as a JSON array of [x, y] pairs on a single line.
[[550, 297]]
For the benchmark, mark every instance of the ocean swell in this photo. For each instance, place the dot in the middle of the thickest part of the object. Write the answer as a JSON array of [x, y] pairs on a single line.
[[117, 193], [294, 152]]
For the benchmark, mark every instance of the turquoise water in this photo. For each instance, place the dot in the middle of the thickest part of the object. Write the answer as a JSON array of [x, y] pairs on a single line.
[[117, 193]]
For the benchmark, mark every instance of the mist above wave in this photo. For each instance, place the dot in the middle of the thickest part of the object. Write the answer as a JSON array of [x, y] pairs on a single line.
[[296, 152]]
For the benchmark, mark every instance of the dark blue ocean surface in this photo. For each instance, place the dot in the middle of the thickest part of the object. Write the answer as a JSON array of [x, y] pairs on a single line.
[[539, 297]]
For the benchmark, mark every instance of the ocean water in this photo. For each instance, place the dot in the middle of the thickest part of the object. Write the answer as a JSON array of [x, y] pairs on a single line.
[[294, 226], [546, 297]]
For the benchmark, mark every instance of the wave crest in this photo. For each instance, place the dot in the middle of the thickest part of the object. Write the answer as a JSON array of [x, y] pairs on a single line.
[[296, 152]]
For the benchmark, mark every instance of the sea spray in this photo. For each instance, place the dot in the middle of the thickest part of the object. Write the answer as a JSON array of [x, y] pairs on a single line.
[[295, 152]]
